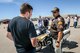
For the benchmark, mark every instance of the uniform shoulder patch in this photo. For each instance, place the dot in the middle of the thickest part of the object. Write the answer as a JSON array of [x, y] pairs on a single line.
[[60, 23]]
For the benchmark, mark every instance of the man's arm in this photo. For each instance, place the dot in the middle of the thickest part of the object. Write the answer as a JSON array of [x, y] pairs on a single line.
[[32, 34], [59, 39], [60, 31], [9, 35], [59, 36], [34, 41]]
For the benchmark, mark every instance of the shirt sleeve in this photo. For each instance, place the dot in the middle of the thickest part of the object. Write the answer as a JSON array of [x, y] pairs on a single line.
[[32, 31], [61, 23], [8, 28]]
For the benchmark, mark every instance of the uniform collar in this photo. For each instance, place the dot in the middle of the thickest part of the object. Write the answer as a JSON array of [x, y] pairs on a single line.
[[57, 16]]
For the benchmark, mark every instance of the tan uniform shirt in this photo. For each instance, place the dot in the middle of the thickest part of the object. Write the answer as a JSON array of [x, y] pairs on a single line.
[[57, 26]]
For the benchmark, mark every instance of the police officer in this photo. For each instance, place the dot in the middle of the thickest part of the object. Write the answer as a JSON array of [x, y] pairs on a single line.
[[57, 27]]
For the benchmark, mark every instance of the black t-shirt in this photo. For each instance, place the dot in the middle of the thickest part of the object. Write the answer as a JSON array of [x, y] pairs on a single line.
[[22, 30]]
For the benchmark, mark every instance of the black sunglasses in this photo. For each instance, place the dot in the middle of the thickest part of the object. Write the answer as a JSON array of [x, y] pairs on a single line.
[[55, 12]]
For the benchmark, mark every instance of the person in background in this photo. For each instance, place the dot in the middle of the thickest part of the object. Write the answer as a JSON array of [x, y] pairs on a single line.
[[75, 21], [40, 22], [21, 30], [45, 22], [68, 21], [56, 30]]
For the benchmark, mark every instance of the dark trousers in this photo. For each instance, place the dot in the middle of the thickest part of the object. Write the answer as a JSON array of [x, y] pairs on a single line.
[[75, 24], [22, 50], [68, 25]]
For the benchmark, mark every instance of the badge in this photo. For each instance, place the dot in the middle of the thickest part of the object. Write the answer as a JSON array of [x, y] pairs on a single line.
[[60, 23]]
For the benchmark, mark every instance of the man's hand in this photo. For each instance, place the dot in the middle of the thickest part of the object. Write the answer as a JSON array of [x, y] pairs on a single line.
[[34, 41], [57, 45], [9, 35]]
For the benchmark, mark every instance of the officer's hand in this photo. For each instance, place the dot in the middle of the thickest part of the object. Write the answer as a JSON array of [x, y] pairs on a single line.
[[57, 45]]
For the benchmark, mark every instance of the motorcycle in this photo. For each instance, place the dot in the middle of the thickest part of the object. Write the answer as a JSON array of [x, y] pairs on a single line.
[[44, 38]]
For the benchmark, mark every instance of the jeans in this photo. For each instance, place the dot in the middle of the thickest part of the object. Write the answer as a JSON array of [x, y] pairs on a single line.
[[75, 24], [22, 50]]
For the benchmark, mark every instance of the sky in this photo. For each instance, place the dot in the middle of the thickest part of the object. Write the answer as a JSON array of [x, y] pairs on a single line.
[[11, 8]]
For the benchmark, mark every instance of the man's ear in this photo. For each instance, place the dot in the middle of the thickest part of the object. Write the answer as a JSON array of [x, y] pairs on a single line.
[[27, 13]]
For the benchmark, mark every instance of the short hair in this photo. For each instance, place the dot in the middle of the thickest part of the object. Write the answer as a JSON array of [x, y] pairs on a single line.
[[25, 7]]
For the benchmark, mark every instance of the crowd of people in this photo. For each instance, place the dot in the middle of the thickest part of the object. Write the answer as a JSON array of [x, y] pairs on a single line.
[[75, 21], [43, 22]]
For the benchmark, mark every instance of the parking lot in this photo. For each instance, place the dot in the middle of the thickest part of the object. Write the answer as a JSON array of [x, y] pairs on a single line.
[[72, 44]]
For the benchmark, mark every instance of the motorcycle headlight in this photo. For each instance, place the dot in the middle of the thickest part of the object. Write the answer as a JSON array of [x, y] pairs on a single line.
[[38, 32]]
